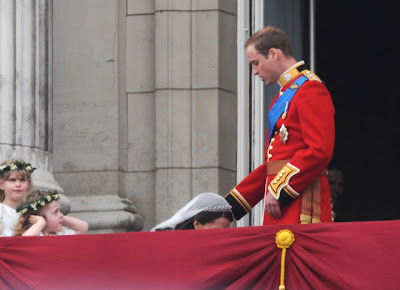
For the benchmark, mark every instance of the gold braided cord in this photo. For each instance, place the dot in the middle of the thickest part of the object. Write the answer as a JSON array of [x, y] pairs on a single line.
[[282, 285], [284, 239]]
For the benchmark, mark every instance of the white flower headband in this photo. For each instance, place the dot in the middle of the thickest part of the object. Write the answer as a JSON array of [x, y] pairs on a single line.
[[17, 165], [54, 195]]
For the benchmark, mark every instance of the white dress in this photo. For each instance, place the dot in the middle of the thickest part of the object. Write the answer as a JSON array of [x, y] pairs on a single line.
[[8, 220], [64, 231]]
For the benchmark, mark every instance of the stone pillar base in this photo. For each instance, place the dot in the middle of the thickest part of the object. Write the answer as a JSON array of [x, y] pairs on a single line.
[[106, 214]]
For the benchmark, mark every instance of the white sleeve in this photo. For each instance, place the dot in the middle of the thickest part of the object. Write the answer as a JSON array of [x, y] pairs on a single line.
[[66, 231]]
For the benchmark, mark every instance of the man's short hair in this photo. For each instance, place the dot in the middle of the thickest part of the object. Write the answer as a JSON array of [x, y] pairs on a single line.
[[270, 37]]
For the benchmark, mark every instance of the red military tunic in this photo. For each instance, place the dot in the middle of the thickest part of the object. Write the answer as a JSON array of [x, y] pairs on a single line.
[[296, 166]]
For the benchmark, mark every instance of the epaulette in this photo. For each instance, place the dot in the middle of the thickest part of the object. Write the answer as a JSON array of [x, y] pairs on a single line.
[[310, 75]]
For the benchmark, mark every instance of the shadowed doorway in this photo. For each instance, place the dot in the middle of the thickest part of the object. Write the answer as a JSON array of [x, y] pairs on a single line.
[[357, 58]]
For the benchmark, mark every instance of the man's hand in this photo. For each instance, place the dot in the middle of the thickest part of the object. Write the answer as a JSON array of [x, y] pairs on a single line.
[[272, 206]]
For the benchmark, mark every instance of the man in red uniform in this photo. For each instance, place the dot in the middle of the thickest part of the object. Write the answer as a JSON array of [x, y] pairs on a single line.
[[299, 143]]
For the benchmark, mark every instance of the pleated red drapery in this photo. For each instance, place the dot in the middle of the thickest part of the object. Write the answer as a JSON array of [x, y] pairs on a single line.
[[357, 255]]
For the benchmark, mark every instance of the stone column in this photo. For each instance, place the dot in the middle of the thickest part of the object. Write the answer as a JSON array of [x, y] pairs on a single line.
[[195, 101], [26, 87], [7, 77], [137, 106]]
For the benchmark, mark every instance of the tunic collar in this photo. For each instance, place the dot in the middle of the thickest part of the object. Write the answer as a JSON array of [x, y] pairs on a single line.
[[289, 74]]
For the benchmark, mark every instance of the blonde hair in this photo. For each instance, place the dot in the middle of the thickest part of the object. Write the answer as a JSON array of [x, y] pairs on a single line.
[[23, 223], [5, 175]]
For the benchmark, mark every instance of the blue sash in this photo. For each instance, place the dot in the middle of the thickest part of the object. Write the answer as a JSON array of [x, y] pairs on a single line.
[[279, 106]]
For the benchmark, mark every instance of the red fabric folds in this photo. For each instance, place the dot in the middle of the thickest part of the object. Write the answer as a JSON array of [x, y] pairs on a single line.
[[358, 255]]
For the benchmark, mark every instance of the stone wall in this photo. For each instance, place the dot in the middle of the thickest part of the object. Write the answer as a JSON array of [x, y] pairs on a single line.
[[144, 100], [195, 101]]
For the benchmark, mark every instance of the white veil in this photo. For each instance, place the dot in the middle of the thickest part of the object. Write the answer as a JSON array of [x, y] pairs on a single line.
[[206, 201]]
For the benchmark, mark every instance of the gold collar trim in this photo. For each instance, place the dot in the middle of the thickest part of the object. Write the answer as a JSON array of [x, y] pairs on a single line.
[[290, 74]]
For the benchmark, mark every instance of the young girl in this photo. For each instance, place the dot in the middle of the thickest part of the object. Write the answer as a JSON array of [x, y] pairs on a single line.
[[15, 182], [41, 216]]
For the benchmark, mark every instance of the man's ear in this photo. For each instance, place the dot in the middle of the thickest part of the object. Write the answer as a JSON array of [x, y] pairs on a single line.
[[275, 53]]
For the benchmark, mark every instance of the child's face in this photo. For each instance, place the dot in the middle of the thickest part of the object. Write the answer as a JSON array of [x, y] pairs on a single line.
[[15, 187], [54, 217]]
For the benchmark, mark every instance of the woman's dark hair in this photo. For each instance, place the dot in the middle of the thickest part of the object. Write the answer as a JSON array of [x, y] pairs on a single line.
[[204, 217]]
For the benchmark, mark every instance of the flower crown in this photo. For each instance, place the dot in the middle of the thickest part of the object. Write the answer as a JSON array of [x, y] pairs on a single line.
[[54, 195], [17, 165]]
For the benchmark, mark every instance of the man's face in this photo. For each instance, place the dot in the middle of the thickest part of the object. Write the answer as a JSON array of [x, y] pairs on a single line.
[[262, 66]]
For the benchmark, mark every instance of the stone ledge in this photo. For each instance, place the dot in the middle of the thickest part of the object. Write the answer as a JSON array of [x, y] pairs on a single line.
[[100, 203], [106, 214], [110, 221]]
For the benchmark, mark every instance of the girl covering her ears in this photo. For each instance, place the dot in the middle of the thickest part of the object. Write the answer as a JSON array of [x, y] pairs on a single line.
[[205, 211], [15, 182], [41, 216]]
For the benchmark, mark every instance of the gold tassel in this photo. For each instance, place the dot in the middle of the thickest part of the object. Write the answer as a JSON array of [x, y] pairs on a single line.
[[305, 219], [284, 239], [316, 221]]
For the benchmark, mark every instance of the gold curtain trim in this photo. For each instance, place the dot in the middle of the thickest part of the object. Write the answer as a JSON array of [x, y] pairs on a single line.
[[284, 239]]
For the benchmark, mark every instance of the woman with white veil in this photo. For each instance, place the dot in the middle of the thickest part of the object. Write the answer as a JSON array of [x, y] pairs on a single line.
[[205, 211]]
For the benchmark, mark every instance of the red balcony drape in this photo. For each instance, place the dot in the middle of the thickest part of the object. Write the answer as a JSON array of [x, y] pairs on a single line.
[[356, 255]]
